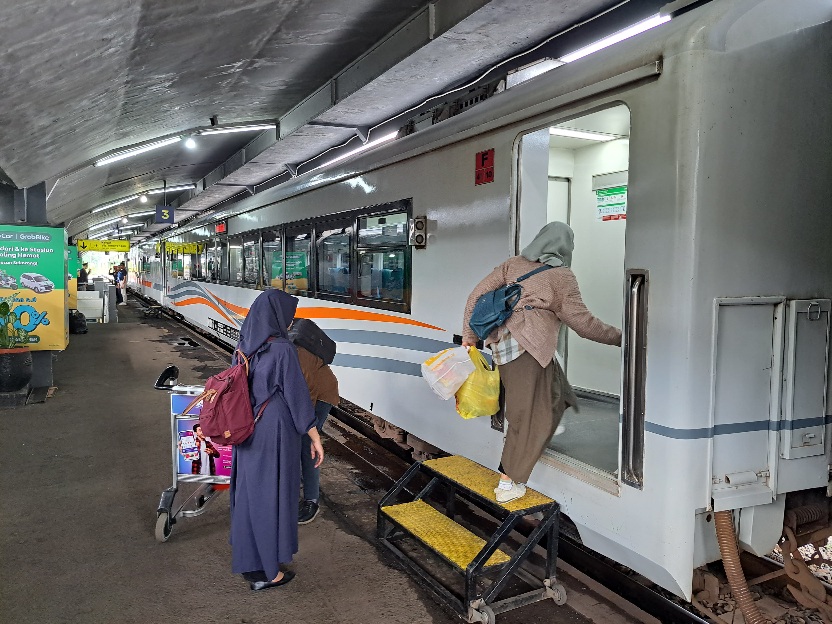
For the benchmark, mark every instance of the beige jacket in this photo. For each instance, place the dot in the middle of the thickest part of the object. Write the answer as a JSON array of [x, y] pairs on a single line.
[[552, 297]]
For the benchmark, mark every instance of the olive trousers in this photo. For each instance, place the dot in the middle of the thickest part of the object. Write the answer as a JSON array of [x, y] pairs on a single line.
[[535, 400]]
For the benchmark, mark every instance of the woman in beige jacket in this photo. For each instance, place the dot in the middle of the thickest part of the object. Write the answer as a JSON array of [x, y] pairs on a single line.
[[536, 390]]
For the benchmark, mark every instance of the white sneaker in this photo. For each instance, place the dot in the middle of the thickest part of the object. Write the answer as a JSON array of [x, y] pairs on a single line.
[[123, 303], [561, 429], [518, 490]]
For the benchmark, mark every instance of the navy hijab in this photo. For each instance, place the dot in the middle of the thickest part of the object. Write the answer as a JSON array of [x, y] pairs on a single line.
[[269, 316]]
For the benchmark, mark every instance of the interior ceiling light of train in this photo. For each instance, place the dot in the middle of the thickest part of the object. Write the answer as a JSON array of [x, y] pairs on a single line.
[[211, 124]]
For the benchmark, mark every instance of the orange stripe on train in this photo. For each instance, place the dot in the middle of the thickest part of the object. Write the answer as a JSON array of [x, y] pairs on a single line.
[[234, 308], [203, 301], [358, 315]]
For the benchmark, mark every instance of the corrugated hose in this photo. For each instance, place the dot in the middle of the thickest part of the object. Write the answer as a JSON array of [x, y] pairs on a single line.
[[727, 539]]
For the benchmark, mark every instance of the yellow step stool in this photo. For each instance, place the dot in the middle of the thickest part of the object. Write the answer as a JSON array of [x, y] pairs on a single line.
[[482, 481], [486, 565], [454, 543]]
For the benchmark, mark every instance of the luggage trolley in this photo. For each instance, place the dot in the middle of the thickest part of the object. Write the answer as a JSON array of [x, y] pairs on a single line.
[[186, 458]]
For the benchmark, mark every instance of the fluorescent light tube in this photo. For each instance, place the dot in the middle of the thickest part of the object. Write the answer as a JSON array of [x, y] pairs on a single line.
[[123, 200], [580, 134], [133, 151], [228, 129], [384, 139], [171, 189], [142, 214], [621, 35], [103, 224]]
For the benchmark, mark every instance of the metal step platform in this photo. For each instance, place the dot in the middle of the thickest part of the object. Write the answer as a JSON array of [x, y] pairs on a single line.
[[487, 565]]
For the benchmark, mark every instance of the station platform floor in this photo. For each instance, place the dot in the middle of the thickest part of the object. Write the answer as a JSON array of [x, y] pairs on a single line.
[[81, 476]]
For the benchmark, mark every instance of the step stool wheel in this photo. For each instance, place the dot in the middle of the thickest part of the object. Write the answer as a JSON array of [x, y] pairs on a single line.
[[486, 615], [557, 592]]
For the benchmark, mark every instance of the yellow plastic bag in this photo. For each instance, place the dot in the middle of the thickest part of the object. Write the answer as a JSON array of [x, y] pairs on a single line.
[[480, 394]]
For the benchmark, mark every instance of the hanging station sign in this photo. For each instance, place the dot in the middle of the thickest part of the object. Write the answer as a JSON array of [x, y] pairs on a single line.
[[85, 244], [183, 248], [33, 277], [164, 214]]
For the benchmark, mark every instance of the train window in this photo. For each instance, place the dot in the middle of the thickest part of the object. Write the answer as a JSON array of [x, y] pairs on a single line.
[[221, 250], [297, 260], [382, 256], [579, 168], [333, 247], [251, 258], [197, 263], [213, 264], [272, 259], [384, 231], [235, 259], [176, 265]]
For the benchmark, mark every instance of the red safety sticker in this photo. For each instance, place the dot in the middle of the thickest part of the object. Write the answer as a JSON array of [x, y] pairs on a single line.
[[484, 167]]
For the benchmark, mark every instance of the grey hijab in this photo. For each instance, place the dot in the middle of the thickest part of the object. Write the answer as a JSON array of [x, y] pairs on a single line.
[[553, 245]]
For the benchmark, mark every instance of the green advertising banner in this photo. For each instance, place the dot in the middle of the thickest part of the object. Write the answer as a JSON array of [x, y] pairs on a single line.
[[297, 278], [33, 274]]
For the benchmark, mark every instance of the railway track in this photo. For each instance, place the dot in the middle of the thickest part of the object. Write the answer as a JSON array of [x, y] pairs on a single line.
[[390, 460]]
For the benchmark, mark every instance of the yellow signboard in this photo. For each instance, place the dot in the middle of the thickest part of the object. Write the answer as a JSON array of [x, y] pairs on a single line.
[[102, 245], [183, 248]]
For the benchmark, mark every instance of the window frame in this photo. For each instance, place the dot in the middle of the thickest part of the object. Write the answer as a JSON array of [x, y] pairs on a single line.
[[313, 226]]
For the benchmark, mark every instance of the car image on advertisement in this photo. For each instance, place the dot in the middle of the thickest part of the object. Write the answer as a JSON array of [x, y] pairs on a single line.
[[7, 281], [36, 282]]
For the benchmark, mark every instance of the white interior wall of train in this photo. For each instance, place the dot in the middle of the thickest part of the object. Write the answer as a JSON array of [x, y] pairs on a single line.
[[728, 180]]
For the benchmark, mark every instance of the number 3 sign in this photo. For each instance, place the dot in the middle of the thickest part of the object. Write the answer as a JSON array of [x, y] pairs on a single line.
[[164, 214]]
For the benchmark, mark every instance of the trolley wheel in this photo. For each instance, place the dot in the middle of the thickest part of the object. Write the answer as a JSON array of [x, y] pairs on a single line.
[[557, 592], [488, 615], [163, 527], [200, 502]]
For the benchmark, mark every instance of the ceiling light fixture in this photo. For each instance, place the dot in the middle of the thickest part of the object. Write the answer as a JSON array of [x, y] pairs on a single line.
[[134, 151], [190, 143], [245, 128], [621, 35], [123, 200], [379, 141], [103, 224], [580, 134], [142, 214], [143, 199], [171, 189]]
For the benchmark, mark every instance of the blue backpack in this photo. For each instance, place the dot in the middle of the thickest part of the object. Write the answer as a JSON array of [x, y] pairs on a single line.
[[493, 308]]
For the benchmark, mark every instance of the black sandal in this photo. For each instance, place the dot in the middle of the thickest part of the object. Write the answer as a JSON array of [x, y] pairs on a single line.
[[288, 575]]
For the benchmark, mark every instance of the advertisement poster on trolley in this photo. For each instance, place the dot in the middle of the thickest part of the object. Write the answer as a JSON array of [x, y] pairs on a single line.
[[197, 454], [33, 277]]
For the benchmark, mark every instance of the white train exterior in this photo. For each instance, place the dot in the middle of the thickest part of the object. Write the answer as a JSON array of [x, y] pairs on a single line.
[[720, 274]]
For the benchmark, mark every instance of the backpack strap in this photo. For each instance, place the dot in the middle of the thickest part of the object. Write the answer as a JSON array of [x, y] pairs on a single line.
[[530, 273], [208, 394], [245, 359]]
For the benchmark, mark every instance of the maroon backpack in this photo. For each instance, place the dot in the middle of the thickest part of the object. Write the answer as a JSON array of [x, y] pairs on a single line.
[[226, 416]]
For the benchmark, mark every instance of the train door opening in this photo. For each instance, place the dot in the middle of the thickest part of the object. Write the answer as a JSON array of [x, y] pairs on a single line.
[[575, 171]]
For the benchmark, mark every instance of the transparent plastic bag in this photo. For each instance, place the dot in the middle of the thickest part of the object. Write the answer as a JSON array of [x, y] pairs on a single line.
[[480, 394], [446, 371]]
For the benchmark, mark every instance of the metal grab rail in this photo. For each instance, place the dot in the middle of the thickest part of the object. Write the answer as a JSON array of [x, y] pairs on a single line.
[[634, 375]]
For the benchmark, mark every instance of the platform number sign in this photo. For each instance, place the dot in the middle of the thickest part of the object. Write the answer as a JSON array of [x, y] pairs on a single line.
[[484, 168], [164, 214]]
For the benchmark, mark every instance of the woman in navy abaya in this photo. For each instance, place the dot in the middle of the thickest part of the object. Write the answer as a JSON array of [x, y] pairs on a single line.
[[265, 471]]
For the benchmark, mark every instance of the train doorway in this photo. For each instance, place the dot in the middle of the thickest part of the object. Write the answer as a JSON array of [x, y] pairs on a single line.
[[576, 171]]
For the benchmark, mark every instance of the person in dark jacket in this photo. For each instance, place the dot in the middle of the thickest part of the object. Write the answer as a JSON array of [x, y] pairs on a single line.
[[265, 469]]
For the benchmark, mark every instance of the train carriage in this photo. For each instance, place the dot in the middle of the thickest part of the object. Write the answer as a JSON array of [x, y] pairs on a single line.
[[693, 164]]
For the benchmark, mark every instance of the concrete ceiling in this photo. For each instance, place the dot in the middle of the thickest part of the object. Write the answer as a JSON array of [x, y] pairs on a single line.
[[86, 78]]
